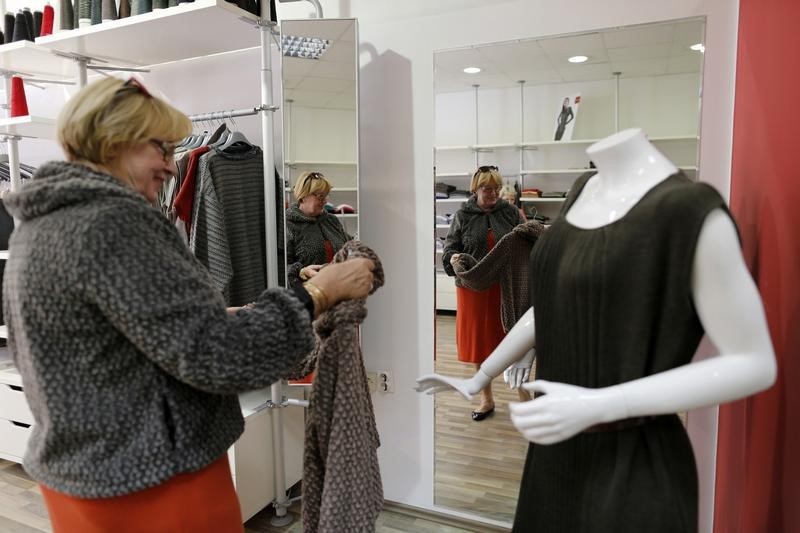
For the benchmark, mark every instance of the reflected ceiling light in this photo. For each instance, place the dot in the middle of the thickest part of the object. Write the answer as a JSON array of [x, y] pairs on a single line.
[[699, 47], [305, 47], [577, 59], [472, 70]]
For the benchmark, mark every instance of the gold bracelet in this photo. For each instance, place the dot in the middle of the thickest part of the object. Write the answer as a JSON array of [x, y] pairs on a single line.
[[318, 296]]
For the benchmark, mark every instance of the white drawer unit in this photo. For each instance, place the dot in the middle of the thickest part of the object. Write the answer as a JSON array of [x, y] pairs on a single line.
[[15, 416], [13, 439], [445, 292], [12, 403]]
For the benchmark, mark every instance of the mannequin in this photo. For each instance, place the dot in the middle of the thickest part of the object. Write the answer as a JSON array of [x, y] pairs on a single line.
[[722, 293]]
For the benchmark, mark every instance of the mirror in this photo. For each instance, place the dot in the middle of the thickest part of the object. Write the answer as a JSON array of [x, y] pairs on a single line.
[[320, 148], [531, 108]]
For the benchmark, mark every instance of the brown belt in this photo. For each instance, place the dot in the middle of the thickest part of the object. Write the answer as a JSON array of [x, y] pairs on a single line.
[[617, 425]]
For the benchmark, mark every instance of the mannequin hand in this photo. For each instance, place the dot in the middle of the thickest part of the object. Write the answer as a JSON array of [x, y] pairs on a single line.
[[565, 410], [520, 372], [454, 259], [434, 383]]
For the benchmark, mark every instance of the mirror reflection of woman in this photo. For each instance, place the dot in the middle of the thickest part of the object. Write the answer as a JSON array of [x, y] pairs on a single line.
[[482, 221], [313, 235]]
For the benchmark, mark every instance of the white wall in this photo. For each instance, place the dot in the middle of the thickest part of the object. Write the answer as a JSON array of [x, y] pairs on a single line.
[[397, 41], [397, 135]]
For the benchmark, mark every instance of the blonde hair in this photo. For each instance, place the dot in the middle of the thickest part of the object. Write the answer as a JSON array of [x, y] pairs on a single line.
[[482, 178], [109, 115], [309, 183]]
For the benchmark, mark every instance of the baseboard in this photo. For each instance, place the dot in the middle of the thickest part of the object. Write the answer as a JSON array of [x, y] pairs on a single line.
[[443, 518]]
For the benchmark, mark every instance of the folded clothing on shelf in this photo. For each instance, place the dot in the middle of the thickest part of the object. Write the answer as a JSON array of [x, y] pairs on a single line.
[[439, 244], [458, 193], [554, 194], [531, 193]]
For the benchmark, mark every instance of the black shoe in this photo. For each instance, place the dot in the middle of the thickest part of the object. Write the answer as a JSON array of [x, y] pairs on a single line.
[[477, 416]]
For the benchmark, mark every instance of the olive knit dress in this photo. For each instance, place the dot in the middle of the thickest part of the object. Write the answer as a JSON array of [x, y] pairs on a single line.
[[614, 304]]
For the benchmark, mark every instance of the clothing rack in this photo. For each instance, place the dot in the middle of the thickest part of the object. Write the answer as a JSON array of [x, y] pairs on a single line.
[[233, 113], [276, 402]]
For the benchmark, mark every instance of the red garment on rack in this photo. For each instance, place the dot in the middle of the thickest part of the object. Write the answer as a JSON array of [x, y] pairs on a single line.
[[185, 197]]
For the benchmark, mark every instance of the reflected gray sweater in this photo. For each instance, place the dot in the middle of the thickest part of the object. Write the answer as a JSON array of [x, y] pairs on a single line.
[[129, 359]]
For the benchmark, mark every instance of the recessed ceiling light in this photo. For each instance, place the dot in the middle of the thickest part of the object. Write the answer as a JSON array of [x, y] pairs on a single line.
[[699, 47], [472, 70], [577, 59]]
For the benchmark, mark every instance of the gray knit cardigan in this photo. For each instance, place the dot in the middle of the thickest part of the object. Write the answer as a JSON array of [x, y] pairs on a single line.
[[129, 360], [470, 225], [508, 264]]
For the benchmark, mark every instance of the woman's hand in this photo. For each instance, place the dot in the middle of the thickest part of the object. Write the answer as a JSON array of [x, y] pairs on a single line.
[[308, 272], [454, 258], [565, 410], [345, 281]]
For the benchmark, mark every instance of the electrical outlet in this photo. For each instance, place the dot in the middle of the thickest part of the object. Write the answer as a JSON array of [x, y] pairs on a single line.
[[372, 381], [385, 382]]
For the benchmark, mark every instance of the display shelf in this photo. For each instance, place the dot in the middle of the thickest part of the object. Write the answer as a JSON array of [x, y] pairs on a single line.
[[3, 255], [557, 171], [346, 215], [452, 148], [215, 26], [690, 168], [29, 126], [293, 164], [3, 331], [442, 226], [451, 200], [27, 58], [554, 200], [465, 174]]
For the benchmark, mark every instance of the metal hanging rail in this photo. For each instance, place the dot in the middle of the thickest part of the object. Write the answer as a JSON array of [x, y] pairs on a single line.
[[232, 113]]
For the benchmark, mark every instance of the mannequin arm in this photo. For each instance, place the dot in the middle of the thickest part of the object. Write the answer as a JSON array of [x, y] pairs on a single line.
[[730, 309], [514, 346]]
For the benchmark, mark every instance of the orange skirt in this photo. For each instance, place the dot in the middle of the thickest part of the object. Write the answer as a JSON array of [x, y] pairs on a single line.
[[478, 326], [196, 502]]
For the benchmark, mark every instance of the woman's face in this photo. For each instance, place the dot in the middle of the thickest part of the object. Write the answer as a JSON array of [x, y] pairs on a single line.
[[314, 204], [145, 167], [487, 195]]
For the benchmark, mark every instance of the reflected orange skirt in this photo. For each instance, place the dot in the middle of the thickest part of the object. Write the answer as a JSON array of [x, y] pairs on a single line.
[[196, 502], [478, 326]]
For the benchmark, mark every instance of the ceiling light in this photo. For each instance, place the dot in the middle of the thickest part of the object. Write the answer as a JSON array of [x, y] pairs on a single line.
[[472, 70], [577, 59], [305, 47], [699, 47]]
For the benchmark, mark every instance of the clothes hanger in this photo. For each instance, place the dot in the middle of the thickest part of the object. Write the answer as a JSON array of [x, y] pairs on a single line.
[[236, 137]]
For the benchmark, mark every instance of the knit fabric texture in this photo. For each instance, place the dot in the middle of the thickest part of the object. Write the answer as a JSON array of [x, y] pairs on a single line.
[[506, 263], [342, 488], [305, 239], [228, 231], [467, 233], [129, 359]]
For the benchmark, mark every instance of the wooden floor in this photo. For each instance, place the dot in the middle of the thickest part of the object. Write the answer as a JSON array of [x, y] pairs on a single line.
[[478, 464], [22, 510]]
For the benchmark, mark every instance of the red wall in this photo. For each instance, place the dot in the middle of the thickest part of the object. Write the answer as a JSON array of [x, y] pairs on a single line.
[[758, 456]]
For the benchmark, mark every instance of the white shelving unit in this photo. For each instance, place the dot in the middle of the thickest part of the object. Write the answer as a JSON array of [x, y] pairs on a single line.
[[29, 127], [187, 31]]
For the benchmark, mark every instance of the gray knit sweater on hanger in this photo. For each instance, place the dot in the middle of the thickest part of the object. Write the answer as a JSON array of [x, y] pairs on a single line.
[[129, 360]]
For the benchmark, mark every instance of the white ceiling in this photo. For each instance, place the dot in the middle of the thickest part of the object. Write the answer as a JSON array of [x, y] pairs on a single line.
[[635, 51], [330, 81]]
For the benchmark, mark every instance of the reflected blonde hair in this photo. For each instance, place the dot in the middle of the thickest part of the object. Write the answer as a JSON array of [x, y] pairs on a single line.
[[480, 179], [309, 183], [110, 115]]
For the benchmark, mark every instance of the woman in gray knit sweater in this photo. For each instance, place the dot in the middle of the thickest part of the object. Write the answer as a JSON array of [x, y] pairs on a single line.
[[482, 221], [130, 361], [313, 236]]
